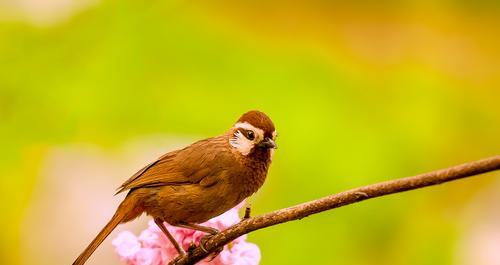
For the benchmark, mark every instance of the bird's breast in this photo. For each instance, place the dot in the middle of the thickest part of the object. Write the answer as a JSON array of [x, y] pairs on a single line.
[[217, 192]]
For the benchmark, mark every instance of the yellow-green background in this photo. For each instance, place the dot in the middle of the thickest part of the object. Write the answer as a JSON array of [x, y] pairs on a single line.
[[359, 93]]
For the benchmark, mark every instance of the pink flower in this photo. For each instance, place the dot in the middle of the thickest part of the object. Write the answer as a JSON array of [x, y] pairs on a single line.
[[151, 239], [242, 253], [126, 245], [148, 256], [152, 247]]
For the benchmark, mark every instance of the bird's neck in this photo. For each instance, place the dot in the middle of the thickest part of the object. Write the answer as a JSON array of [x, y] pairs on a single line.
[[257, 171]]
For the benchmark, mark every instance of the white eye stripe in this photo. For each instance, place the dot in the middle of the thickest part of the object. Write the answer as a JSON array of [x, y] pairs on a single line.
[[248, 126], [241, 143]]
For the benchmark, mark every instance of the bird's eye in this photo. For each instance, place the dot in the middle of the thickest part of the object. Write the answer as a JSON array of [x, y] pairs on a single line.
[[250, 135]]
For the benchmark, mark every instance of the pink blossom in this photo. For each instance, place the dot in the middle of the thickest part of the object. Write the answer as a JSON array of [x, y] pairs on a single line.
[[148, 256], [152, 247], [242, 253], [126, 245]]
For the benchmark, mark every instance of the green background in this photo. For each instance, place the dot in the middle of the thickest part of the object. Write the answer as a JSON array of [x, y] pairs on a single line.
[[359, 93]]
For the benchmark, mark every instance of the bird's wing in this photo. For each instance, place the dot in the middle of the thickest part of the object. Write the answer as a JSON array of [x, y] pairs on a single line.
[[197, 163]]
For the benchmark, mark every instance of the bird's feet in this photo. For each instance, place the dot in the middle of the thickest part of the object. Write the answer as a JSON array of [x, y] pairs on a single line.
[[205, 238], [209, 230], [214, 253]]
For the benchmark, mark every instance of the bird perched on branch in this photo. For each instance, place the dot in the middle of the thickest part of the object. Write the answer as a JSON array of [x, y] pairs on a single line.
[[190, 186]]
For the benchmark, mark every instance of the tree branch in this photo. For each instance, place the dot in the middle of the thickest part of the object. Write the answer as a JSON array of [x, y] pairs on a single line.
[[337, 200]]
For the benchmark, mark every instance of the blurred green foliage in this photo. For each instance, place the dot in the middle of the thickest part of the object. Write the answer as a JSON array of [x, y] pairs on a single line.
[[124, 69]]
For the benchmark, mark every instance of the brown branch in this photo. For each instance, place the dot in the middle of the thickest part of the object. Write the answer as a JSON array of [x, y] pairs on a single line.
[[337, 200]]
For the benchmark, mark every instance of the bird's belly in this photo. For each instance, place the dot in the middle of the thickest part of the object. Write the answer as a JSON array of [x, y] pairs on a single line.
[[191, 203]]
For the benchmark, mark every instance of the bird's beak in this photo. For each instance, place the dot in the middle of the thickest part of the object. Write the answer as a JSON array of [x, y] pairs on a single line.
[[268, 143]]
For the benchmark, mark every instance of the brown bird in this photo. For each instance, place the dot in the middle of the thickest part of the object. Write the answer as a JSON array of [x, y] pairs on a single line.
[[190, 186]]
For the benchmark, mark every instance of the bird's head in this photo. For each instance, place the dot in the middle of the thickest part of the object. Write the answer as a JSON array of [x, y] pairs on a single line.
[[253, 133]]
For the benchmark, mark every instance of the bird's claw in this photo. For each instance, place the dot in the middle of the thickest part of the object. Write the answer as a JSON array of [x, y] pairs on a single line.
[[215, 253], [204, 240]]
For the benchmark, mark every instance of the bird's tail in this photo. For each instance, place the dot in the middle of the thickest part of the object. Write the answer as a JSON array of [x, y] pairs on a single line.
[[127, 211]]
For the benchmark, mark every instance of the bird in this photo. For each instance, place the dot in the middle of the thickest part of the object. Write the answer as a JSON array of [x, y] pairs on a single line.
[[189, 186]]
